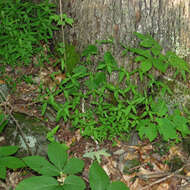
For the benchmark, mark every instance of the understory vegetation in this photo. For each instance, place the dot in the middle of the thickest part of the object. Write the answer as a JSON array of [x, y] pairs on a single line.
[[100, 106]]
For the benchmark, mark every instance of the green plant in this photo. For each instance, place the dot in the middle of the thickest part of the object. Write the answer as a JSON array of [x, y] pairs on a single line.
[[24, 26], [59, 166], [100, 181], [8, 161], [96, 154], [3, 121], [50, 135], [64, 169], [112, 110]]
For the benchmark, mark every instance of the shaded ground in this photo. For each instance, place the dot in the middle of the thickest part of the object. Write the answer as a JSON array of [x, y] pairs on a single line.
[[140, 165]]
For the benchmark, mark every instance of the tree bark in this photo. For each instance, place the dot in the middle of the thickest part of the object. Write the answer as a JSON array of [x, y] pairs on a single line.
[[166, 20]]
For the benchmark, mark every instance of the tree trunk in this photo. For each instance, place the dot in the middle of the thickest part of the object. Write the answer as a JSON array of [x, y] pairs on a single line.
[[166, 20]]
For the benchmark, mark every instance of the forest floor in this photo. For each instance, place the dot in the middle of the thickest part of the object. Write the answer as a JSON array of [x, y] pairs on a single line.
[[147, 166]]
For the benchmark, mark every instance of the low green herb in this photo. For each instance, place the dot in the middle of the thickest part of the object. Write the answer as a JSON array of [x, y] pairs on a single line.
[[8, 161], [59, 166], [99, 180], [111, 110]]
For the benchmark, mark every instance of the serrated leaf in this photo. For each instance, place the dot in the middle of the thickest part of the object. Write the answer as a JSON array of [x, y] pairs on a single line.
[[8, 150], [96, 154], [11, 162], [167, 129], [73, 166], [149, 131], [117, 185], [57, 154], [98, 178], [2, 172], [41, 165], [73, 182], [159, 108], [39, 183]]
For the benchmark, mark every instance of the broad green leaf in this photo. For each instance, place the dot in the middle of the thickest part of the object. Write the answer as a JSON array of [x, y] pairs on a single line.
[[39, 183], [140, 36], [2, 172], [167, 129], [159, 64], [73, 182], [147, 43], [117, 185], [109, 59], [73, 166], [145, 66], [97, 177], [41, 165], [140, 59], [11, 162], [57, 154], [180, 123], [149, 131], [99, 78], [90, 50], [159, 107], [156, 50], [8, 150]]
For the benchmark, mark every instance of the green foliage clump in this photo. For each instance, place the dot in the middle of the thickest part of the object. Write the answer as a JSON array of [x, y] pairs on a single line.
[[64, 169], [24, 27], [116, 108]]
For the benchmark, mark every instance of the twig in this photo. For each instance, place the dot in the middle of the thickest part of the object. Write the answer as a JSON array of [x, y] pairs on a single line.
[[162, 179], [4, 185], [7, 110]]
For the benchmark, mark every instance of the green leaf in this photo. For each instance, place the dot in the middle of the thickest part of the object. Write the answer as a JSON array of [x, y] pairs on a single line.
[[98, 178], [50, 135], [159, 107], [140, 59], [2, 172], [8, 150], [73, 182], [41, 165], [167, 129], [99, 78], [147, 129], [96, 154], [109, 59], [117, 185], [147, 43], [90, 50], [73, 166], [39, 183], [140, 36], [11, 162], [57, 154], [44, 106], [146, 66], [180, 123]]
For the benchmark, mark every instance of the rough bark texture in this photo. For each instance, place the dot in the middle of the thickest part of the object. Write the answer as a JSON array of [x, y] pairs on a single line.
[[166, 20]]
